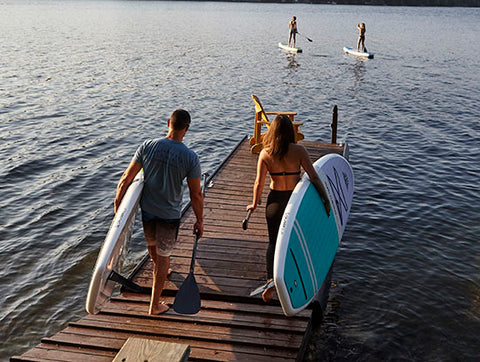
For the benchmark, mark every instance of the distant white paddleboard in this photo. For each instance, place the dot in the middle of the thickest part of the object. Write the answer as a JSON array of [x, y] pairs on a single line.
[[285, 47], [106, 273], [308, 239], [350, 50]]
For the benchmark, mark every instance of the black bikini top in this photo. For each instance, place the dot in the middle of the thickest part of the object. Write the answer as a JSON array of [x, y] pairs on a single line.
[[284, 173]]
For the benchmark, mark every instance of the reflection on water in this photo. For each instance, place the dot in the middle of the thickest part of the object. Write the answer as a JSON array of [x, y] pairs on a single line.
[[359, 70], [292, 61]]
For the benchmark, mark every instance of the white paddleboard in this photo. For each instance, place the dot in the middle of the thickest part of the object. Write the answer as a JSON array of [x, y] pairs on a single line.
[[350, 50], [289, 49], [308, 239], [112, 253]]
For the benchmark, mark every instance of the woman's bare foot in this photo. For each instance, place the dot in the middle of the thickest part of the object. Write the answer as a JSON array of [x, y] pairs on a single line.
[[161, 308], [267, 295]]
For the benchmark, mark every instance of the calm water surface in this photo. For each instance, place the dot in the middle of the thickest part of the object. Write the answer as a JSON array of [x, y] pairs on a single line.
[[82, 83]]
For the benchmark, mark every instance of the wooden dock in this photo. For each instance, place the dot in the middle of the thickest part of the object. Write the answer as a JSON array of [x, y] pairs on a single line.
[[230, 263]]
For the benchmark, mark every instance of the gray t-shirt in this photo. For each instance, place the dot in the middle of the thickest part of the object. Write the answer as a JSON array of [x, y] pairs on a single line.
[[166, 164]]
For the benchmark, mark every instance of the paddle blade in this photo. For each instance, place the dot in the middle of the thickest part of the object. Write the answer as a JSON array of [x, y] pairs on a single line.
[[187, 300]]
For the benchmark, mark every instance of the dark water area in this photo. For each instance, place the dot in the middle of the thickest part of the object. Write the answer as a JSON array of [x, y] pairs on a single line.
[[83, 83]]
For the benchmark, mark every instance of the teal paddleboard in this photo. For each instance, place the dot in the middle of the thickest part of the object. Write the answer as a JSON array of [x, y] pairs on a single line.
[[308, 239]]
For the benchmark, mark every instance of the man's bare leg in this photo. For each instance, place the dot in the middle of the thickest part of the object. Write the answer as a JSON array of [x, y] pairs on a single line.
[[161, 264]]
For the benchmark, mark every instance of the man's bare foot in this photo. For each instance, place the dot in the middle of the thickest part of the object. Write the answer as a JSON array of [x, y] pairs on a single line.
[[161, 308], [169, 272]]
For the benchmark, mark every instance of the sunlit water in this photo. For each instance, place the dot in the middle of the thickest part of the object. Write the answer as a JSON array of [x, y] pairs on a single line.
[[83, 83]]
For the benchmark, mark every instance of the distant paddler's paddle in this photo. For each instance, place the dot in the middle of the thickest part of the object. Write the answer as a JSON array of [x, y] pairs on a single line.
[[310, 40], [245, 221], [187, 300]]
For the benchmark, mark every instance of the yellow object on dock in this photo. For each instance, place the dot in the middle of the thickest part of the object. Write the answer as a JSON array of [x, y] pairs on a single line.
[[262, 119]]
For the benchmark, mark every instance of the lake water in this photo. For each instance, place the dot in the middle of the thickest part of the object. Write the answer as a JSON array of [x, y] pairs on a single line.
[[83, 83]]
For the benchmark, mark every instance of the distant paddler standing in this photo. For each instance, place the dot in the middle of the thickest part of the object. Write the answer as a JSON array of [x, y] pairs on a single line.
[[292, 26], [361, 37]]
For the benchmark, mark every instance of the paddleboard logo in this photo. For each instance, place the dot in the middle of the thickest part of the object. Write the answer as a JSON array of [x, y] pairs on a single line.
[[339, 195], [284, 219], [346, 179]]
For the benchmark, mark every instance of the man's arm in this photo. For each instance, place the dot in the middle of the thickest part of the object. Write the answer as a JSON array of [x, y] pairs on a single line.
[[125, 181], [196, 198]]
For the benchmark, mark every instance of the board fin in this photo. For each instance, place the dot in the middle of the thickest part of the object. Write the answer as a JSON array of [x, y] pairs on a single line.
[[262, 288]]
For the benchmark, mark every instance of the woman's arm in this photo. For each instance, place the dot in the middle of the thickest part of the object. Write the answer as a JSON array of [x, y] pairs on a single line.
[[314, 179], [259, 181]]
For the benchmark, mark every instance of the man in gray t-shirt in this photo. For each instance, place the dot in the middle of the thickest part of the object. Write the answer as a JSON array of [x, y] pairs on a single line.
[[166, 163]]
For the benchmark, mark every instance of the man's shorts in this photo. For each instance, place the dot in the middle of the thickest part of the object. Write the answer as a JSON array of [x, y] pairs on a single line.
[[160, 233]]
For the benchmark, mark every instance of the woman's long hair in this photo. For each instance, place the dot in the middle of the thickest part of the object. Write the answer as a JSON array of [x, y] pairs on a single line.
[[279, 136]]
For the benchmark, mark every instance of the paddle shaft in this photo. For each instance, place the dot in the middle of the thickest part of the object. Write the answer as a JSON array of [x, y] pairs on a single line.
[[310, 40], [194, 251], [195, 240]]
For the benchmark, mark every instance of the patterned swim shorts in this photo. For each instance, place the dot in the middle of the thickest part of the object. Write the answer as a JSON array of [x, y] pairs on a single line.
[[160, 233]]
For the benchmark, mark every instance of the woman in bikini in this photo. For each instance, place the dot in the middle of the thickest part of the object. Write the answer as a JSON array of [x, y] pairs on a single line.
[[282, 158], [361, 37], [292, 31]]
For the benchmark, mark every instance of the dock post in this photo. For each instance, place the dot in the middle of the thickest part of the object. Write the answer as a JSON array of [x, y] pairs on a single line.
[[333, 125]]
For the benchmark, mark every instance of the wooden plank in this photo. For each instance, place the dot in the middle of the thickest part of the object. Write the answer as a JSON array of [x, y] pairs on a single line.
[[143, 349], [61, 353], [213, 317], [201, 331], [261, 308], [112, 340]]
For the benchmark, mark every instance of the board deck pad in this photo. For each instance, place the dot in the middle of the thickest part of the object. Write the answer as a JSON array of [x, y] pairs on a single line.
[[308, 239]]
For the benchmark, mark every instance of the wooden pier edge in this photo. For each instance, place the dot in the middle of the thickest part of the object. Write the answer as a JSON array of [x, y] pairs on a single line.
[[229, 264]]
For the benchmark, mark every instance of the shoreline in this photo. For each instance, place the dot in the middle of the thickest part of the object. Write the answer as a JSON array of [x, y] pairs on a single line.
[[412, 3]]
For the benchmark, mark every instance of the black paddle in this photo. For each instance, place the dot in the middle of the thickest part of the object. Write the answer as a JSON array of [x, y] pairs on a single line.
[[245, 221], [310, 40], [187, 300]]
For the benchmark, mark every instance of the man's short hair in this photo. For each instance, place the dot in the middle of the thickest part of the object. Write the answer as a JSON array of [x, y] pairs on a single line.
[[180, 119]]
